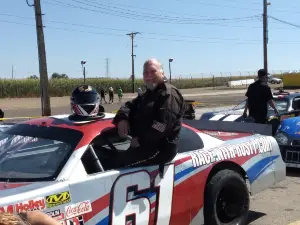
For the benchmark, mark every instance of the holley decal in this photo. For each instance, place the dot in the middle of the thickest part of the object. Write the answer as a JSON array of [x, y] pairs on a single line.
[[30, 205], [78, 209]]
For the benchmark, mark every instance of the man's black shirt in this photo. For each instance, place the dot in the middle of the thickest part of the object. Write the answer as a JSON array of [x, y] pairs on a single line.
[[155, 118], [258, 94]]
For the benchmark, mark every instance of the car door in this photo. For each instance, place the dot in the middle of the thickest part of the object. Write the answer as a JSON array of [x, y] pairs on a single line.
[[136, 195]]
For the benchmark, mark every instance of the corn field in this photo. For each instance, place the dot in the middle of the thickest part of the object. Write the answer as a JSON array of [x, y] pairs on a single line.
[[22, 88]]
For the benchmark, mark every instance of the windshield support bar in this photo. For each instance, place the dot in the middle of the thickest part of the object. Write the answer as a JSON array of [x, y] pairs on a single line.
[[96, 159]]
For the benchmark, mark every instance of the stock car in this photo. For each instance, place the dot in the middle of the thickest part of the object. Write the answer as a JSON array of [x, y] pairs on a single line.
[[288, 138], [288, 105], [61, 166]]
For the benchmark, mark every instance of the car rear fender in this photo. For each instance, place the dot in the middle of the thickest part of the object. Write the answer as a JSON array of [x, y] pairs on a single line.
[[256, 158], [266, 168]]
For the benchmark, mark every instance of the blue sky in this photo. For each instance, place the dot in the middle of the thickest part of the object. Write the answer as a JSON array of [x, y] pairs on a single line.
[[186, 30]]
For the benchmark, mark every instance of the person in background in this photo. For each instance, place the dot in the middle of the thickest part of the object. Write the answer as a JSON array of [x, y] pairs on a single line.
[[259, 96], [120, 94], [111, 95], [154, 120], [102, 95]]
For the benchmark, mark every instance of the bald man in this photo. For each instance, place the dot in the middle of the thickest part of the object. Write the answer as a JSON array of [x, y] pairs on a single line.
[[154, 120]]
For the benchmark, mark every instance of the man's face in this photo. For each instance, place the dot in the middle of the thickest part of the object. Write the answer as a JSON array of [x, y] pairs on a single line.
[[152, 74]]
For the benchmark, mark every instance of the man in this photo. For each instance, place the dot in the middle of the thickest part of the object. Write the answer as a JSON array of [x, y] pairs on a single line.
[[259, 96], [154, 120], [102, 94]]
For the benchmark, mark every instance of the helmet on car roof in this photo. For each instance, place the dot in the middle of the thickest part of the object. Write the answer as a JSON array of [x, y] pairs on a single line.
[[85, 101]]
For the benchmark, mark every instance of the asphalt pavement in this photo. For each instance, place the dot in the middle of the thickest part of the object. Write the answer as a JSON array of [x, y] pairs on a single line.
[[279, 205]]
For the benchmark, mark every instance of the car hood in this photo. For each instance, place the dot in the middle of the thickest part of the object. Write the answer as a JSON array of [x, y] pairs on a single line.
[[291, 126], [14, 192]]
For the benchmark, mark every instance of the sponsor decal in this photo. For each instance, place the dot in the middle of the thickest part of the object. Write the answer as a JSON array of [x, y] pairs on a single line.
[[30, 205], [78, 209], [220, 133], [286, 116], [74, 221], [58, 199], [205, 157], [56, 214]]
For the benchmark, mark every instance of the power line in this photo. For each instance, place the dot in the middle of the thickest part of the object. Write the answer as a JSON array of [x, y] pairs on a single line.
[[103, 6], [30, 5], [151, 18], [221, 40], [124, 30], [285, 22]]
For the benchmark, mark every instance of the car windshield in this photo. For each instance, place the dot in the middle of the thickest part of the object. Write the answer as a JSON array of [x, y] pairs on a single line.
[[281, 104], [31, 153]]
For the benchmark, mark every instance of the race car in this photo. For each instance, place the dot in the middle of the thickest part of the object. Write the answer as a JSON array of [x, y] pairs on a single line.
[[288, 105], [288, 138], [61, 166]]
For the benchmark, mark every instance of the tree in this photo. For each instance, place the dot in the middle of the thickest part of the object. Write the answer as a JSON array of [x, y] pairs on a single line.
[[35, 77], [59, 76]]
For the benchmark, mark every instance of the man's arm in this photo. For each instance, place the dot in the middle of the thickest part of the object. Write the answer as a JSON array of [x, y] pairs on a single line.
[[269, 98], [246, 108], [170, 110], [38, 218], [273, 105], [126, 110]]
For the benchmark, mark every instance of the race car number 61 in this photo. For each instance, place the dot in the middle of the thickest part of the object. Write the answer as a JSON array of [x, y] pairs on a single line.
[[126, 206]]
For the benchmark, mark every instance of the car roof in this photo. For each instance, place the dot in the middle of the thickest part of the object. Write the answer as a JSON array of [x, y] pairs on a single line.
[[89, 129]]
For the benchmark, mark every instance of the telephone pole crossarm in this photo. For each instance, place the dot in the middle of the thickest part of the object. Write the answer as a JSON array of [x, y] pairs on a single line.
[[132, 35]]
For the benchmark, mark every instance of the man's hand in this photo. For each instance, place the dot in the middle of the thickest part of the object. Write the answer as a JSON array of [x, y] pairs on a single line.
[[40, 218], [123, 128], [134, 142]]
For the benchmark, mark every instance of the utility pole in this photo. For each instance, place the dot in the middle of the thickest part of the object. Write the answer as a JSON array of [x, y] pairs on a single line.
[[12, 72], [265, 34], [107, 67], [45, 99], [132, 35]]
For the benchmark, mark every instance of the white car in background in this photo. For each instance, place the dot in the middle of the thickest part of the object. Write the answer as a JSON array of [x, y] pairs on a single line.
[[274, 80]]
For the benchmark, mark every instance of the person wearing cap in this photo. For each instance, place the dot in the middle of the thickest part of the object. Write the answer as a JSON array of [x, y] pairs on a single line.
[[259, 96]]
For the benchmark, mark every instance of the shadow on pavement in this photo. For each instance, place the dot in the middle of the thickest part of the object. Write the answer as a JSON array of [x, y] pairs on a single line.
[[293, 172], [253, 215]]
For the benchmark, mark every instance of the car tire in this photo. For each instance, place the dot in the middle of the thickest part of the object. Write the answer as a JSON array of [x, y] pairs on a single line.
[[226, 187]]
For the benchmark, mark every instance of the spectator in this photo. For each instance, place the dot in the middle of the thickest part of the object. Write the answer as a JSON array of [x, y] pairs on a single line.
[[102, 96], [120, 94], [111, 95], [259, 96]]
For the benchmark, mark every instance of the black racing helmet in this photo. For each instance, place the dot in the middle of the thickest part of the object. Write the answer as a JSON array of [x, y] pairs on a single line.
[[85, 101]]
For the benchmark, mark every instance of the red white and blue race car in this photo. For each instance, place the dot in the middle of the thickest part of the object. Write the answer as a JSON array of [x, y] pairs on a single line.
[[61, 167]]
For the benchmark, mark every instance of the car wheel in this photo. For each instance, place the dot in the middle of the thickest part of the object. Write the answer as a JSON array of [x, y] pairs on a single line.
[[226, 199]]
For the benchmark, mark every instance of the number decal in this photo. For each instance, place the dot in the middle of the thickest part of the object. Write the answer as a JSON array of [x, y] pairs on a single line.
[[130, 201]]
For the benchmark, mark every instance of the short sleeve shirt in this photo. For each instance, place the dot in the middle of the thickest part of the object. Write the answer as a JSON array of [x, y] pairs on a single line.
[[258, 95]]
